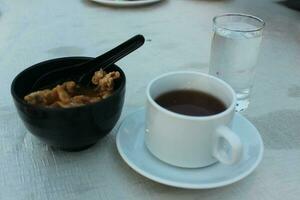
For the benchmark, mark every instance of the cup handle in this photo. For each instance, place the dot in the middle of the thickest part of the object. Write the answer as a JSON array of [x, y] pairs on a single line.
[[227, 154]]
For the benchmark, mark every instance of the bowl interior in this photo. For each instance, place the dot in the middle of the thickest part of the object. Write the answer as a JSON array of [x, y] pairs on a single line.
[[23, 82]]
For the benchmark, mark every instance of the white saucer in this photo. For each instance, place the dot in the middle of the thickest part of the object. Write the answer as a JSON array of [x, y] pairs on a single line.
[[130, 144], [126, 3]]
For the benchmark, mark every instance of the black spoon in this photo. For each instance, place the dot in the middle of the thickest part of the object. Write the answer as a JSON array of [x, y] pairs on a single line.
[[85, 71]]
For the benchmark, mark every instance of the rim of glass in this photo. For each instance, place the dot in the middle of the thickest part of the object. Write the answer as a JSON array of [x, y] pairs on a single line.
[[241, 15]]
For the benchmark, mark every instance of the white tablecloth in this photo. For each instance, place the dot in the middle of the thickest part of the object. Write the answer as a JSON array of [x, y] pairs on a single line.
[[178, 37]]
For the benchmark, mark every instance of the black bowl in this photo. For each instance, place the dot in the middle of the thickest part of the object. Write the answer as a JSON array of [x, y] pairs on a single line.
[[69, 129]]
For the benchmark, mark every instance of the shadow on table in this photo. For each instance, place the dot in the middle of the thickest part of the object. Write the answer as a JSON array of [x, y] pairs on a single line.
[[283, 133], [292, 4], [94, 4]]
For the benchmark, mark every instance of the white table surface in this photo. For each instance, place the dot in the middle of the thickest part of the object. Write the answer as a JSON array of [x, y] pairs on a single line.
[[178, 34]]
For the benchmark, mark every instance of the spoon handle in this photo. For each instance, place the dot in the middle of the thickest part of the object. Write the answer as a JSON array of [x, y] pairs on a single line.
[[105, 60], [85, 70], [117, 53]]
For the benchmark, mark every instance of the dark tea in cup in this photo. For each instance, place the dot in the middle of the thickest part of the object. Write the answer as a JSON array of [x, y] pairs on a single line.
[[191, 102]]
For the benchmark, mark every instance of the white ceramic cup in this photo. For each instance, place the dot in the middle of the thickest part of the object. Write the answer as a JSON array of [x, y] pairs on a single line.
[[191, 141]]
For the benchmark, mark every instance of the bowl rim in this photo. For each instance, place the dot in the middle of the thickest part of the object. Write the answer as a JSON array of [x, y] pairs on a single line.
[[21, 101]]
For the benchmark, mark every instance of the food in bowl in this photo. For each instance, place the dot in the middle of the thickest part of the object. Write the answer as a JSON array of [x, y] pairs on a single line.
[[69, 94]]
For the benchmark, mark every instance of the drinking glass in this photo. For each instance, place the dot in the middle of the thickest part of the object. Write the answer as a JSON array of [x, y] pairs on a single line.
[[235, 48]]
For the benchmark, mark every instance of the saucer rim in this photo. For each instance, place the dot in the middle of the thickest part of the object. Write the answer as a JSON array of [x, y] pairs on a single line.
[[177, 184]]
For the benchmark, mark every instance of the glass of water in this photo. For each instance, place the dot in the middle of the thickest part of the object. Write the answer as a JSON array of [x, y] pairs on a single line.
[[234, 52]]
